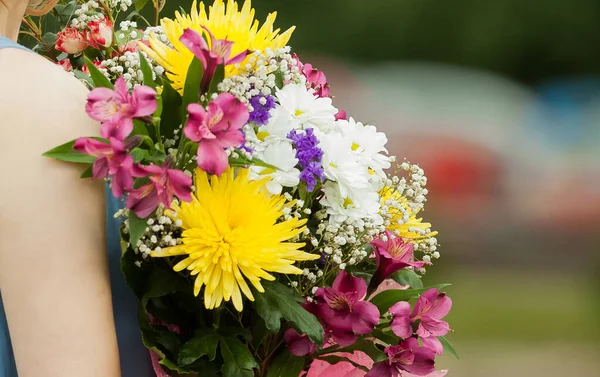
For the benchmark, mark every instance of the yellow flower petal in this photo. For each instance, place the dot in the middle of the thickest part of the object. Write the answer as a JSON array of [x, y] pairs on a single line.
[[232, 235], [224, 22]]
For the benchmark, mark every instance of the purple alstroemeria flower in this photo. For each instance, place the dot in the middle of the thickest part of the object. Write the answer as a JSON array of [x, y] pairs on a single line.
[[299, 345], [343, 310], [429, 310], [392, 255], [112, 161], [165, 182], [406, 356]]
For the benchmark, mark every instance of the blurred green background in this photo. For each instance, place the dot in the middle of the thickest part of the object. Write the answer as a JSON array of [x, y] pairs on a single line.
[[499, 100]]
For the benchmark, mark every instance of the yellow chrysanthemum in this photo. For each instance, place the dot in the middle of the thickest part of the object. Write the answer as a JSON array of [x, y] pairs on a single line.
[[405, 229], [231, 233], [224, 22]]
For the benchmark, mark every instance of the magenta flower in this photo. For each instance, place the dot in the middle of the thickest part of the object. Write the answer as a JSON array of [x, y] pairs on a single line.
[[401, 324], [117, 108], [429, 310], [112, 160], [431, 307], [299, 345], [215, 130], [392, 255], [165, 183], [343, 310], [408, 357], [315, 79], [341, 115], [218, 53]]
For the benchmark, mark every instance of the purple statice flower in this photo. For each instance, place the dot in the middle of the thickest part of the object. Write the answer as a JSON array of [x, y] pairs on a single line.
[[261, 105], [309, 157]]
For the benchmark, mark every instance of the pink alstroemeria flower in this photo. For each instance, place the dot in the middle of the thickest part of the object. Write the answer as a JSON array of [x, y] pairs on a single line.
[[343, 310], [320, 368], [117, 108], [218, 53], [431, 307], [407, 356], [299, 345], [165, 182], [215, 130], [112, 160], [341, 115], [315, 79], [392, 255]]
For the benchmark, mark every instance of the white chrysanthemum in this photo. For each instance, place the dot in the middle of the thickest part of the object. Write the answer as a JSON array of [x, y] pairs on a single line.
[[353, 205], [278, 127], [341, 165], [367, 144], [281, 155], [303, 108]]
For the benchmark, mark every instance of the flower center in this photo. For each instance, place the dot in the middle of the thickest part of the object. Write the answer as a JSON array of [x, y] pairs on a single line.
[[340, 303], [111, 107], [348, 203], [398, 251], [215, 117]]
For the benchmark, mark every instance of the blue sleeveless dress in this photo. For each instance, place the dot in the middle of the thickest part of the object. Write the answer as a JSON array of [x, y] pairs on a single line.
[[135, 358]]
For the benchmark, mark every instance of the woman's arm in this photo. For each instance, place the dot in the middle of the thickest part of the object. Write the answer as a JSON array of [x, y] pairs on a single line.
[[53, 268]]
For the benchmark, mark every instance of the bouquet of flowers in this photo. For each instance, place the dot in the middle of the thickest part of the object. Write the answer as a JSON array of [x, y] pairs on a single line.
[[264, 232]]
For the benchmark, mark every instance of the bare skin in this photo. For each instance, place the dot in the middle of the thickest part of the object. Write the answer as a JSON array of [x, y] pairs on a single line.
[[53, 269]]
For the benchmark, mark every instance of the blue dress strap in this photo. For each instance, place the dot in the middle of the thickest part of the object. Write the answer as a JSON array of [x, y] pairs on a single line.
[[8, 43]]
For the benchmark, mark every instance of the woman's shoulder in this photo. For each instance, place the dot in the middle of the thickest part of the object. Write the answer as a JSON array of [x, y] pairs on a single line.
[[39, 99]]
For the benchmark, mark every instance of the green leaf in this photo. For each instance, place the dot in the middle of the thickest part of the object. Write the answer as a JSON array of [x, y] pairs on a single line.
[[99, 79], [170, 341], [171, 110], [191, 91], [140, 4], [139, 154], [448, 347], [87, 173], [390, 339], [162, 282], [137, 228], [286, 364], [204, 344], [336, 359], [147, 71], [365, 345], [135, 276], [408, 277], [216, 79], [83, 77], [50, 39], [280, 302], [279, 79], [65, 152], [387, 299], [238, 360], [139, 128], [241, 161], [259, 332]]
